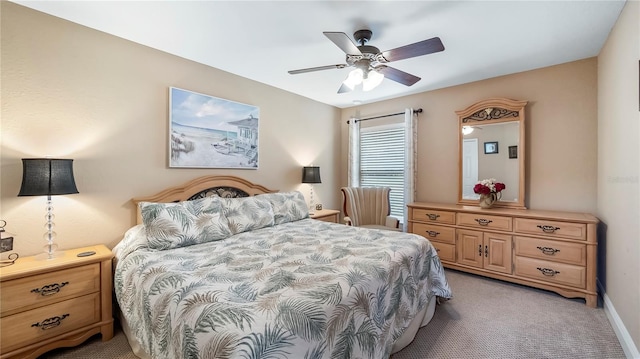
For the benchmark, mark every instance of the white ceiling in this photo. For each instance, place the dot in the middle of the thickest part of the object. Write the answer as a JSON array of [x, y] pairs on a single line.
[[262, 40]]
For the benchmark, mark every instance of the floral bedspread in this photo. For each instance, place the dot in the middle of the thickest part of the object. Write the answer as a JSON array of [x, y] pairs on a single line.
[[303, 289]]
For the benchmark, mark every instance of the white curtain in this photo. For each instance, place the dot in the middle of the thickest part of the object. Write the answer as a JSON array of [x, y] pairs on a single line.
[[411, 150], [354, 153]]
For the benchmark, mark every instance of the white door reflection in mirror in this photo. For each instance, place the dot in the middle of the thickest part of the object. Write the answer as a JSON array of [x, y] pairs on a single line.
[[469, 167]]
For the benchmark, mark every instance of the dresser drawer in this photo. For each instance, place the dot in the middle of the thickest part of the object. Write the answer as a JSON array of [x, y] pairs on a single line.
[[552, 272], [35, 325], [551, 228], [446, 252], [429, 215], [435, 233], [46, 288], [556, 251], [484, 221]]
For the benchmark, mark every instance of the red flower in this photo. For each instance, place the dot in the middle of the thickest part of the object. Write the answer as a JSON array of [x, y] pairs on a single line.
[[500, 186], [481, 189]]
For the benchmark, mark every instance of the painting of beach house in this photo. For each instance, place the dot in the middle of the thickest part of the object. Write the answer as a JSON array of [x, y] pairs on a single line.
[[210, 132]]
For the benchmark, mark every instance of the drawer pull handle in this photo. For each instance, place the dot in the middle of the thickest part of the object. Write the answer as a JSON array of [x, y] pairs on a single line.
[[49, 289], [432, 233], [548, 229], [480, 250], [483, 222], [50, 323], [548, 250], [486, 251], [548, 272], [433, 216], [437, 250]]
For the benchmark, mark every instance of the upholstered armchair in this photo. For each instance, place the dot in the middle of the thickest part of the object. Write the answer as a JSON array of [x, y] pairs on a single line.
[[368, 207]]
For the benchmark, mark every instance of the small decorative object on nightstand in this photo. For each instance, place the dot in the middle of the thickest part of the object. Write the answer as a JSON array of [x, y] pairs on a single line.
[[6, 244], [326, 215], [56, 303]]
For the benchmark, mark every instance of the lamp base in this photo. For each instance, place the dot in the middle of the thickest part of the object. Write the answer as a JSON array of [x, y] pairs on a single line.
[[47, 256]]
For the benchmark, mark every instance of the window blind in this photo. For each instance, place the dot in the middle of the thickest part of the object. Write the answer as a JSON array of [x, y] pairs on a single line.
[[382, 163]]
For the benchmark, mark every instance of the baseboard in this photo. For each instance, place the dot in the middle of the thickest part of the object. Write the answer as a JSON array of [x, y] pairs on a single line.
[[629, 348]]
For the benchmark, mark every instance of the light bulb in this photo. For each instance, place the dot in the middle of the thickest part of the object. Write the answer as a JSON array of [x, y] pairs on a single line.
[[354, 79], [374, 78]]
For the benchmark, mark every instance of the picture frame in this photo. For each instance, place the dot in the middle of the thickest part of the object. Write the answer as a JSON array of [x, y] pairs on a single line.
[[490, 148], [513, 151], [211, 132]]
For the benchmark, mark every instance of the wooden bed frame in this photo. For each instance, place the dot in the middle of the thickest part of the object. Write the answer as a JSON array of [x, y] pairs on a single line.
[[222, 186]]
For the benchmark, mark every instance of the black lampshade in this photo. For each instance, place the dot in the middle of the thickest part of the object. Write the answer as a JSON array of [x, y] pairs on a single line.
[[47, 177], [311, 174]]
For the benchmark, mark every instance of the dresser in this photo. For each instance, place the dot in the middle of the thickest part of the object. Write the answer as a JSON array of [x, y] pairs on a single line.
[[550, 250], [60, 302]]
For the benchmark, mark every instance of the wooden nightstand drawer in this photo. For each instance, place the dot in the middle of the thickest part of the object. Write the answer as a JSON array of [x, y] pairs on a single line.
[[556, 251], [551, 228], [435, 233], [39, 324], [551, 272], [429, 215], [325, 215], [38, 290], [484, 221], [446, 252]]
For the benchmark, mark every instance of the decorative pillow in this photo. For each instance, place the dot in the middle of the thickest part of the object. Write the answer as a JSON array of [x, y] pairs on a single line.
[[174, 225], [287, 206], [247, 213]]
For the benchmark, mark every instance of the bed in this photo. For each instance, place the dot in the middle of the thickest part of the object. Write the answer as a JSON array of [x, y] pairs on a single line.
[[245, 273]]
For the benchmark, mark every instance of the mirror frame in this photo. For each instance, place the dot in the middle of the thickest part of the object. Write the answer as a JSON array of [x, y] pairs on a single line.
[[494, 110]]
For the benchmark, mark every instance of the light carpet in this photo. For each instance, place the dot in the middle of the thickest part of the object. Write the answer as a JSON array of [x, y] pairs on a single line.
[[485, 319]]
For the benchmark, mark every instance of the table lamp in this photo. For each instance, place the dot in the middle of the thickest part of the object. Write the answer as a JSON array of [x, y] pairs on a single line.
[[311, 175], [47, 177]]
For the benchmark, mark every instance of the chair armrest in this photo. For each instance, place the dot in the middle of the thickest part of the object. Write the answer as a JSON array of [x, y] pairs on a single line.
[[347, 221], [392, 222]]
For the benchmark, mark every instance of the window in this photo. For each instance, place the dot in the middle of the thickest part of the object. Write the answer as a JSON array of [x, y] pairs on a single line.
[[382, 162]]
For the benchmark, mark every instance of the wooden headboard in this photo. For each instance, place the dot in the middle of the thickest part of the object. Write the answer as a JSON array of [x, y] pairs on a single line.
[[221, 186]]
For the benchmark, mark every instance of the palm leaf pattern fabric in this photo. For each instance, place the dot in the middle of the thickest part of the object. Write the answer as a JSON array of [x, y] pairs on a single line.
[[302, 289]]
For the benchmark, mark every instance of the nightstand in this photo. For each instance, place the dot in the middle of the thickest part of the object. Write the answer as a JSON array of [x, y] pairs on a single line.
[[60, 302], [327, 215]]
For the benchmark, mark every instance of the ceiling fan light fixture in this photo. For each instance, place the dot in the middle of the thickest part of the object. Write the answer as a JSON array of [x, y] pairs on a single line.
[[354, 79], [373, 79], [466, 130]]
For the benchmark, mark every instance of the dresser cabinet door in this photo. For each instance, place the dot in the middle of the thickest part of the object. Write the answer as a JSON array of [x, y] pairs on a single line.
[[470, 248], [497, 252]]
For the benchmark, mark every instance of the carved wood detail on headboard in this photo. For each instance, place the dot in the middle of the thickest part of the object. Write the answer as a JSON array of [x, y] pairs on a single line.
[[224, 186]]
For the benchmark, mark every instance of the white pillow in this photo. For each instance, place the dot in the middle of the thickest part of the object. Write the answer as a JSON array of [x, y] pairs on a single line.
[[174, 225], [287, 206], [247, 213]]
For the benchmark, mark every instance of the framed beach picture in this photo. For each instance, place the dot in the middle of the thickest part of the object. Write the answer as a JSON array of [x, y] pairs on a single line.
[[210, 132]]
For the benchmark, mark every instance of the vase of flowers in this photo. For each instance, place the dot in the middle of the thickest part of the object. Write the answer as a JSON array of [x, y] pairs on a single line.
[[489, 191]]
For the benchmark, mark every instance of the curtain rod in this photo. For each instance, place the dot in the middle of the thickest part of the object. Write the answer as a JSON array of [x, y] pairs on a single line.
[[393, 114]]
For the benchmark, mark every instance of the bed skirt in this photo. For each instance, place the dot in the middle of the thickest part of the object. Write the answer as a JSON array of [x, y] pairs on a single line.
[[423, 318]]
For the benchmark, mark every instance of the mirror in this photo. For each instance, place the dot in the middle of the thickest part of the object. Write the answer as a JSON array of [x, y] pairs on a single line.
[[491, 145]]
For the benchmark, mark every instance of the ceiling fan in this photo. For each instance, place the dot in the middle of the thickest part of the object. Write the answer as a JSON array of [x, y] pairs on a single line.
[[369, 61]]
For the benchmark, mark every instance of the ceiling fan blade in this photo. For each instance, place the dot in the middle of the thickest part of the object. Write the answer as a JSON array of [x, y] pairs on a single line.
[[416, 49], [397, 75], [343, 42], [319, 68], [344, 88]]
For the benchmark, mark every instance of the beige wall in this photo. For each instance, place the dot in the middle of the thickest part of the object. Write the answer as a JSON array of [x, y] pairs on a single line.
[[561, 134], [73, 92], [619, 167]]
